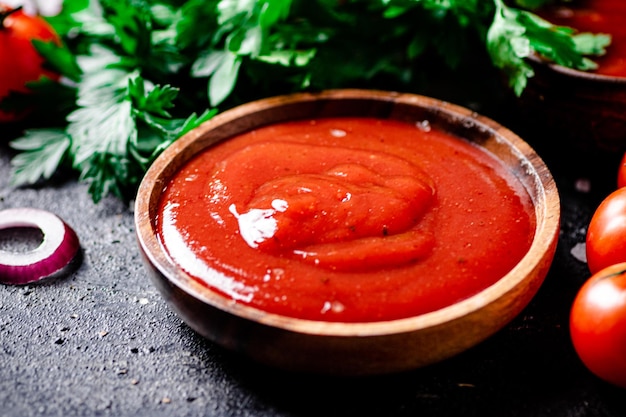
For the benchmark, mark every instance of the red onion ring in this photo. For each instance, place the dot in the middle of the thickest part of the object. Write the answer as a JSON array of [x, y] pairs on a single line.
[[58, 248]]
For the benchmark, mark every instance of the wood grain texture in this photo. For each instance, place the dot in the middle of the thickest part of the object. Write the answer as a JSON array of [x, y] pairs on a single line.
[[353, 348]]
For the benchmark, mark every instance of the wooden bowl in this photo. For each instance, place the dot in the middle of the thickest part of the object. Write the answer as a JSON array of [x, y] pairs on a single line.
[[580, 109], [352, 348]]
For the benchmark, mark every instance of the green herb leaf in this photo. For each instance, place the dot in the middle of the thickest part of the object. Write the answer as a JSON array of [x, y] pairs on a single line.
[[516, 34], [157, 129], [591, 44], [533, 4], [59, 58], [43, 152], [138, 74], [509, 47], [156, 101], [224, 78], [132, 22]]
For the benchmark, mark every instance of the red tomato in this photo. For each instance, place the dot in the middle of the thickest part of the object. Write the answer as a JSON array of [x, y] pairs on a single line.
[[621, 173], [21, 63], [598, 324], [606, 236]]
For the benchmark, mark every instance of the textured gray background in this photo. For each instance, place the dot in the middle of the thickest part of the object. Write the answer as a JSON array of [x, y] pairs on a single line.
[[101, 341]]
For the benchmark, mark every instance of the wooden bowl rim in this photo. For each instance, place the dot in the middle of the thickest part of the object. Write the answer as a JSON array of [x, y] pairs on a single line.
[[547, 208], [579, 74]]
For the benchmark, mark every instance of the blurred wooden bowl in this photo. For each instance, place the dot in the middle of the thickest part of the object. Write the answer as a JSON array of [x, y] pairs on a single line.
[[352, 348], [580, 109]]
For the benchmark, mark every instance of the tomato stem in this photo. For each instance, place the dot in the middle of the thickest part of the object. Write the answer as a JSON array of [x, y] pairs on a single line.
[[6, 12]]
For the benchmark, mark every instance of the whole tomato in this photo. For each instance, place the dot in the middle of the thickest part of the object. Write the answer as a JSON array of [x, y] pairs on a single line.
[[598, 324], [606, 235], [20, 61]]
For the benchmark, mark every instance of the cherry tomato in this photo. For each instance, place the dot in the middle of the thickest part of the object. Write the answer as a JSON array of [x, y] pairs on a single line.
[[598, 324], [606, 235], [621, 173], [21, 63]]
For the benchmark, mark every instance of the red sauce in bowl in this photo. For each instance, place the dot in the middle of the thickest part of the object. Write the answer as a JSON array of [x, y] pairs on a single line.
[[346, 219], [597, 16]]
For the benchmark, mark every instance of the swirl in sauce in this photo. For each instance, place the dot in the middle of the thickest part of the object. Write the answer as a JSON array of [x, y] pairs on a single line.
[[348, 219]]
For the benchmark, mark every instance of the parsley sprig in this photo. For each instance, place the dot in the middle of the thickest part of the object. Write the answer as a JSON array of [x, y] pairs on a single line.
[[515, 34], [138, 74]]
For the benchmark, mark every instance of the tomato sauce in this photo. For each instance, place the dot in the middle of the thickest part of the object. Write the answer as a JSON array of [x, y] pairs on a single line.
[[346, 219], [597, 16]]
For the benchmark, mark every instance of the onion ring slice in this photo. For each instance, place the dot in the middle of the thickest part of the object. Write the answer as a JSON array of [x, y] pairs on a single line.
[[58, 248]]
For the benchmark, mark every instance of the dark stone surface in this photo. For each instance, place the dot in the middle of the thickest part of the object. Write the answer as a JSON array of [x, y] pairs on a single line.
[[101, 341]]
